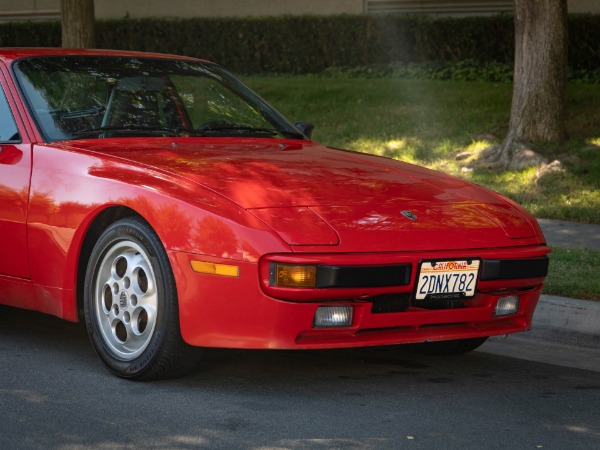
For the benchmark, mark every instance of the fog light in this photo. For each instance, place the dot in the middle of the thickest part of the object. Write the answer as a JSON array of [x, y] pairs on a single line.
[[507, 305], [333, 316]]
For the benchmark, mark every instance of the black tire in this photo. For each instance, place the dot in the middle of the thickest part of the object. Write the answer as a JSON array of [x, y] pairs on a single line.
[[454, 347], [130, 305]]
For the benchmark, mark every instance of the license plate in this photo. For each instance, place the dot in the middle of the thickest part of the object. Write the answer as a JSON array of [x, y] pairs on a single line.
[[447, 279]]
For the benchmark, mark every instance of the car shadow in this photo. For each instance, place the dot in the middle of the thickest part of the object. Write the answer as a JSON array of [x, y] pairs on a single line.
[[53, 344]]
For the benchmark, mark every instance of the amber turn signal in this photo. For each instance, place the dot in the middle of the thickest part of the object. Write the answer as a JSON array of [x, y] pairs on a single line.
[[297, 276], [215, 269]]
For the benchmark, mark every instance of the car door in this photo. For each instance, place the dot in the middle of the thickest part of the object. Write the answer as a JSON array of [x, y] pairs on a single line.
[[15, 174]]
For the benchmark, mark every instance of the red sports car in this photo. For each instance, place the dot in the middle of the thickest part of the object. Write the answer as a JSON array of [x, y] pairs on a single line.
[[167, 205]]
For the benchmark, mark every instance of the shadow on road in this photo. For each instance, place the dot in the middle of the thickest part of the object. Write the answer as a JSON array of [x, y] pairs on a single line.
[[55, 393]]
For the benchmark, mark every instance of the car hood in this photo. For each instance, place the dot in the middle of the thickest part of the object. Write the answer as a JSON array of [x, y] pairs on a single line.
[[315, 195]]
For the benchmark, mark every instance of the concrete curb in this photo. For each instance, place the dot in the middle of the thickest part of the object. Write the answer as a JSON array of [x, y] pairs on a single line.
[[566, 321], [561, 320]]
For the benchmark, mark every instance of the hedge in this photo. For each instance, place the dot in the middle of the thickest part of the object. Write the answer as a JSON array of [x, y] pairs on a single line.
[[312, 44]]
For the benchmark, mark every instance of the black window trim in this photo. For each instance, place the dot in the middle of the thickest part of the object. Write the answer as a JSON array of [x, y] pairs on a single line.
[[5, 93]]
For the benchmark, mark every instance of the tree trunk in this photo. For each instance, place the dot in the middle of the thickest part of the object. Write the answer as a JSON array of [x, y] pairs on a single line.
[[538, 106], [540, 84], [78, 23]]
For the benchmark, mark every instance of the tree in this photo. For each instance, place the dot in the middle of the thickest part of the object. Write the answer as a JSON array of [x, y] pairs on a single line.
[[78, 23], [540, 83]]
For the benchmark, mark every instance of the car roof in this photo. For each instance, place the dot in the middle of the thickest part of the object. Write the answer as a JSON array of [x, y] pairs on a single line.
[[9, 54]]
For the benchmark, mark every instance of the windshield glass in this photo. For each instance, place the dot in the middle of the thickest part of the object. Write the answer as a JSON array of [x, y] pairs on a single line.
[[76, 97]]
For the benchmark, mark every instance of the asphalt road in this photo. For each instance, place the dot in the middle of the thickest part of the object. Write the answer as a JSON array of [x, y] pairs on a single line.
[[55, 394]]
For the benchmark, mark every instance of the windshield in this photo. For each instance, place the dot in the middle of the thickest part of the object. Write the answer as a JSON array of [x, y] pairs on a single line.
[[76, 97]]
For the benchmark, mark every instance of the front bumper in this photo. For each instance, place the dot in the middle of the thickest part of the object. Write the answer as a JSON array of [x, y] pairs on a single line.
[[242, 312]]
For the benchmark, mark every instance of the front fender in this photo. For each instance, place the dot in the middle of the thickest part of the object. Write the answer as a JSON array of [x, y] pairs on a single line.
[[71, 189]]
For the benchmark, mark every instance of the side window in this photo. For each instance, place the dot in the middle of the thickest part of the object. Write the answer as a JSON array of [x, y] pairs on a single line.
[[8, 127]]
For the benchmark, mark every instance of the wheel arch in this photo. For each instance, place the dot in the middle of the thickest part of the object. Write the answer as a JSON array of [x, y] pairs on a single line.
[[100, 223]]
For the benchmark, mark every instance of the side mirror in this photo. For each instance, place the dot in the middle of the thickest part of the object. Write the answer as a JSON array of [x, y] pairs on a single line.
[[306, 128]]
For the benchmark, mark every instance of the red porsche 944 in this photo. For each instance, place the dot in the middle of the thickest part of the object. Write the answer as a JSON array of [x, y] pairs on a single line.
[[168, 206]]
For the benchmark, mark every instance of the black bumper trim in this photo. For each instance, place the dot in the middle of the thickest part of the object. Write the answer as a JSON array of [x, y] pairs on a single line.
[[363, 276], [514, 269]]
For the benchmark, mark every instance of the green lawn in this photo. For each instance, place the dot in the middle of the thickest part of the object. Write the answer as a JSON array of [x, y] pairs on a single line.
[[574, 273], [430, 122]]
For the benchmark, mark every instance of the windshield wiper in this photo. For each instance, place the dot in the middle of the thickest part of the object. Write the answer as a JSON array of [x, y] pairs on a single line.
[[237, 128], [181, 132], [246, 129], [128, 129]]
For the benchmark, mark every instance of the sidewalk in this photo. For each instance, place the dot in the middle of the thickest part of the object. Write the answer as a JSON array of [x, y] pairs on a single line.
[[571, 234], [563, 320]]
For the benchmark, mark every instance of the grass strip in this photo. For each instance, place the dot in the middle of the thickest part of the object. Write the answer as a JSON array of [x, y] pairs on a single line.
[[574, 273]]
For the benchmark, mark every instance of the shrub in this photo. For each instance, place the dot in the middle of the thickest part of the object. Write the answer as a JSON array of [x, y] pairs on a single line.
[[459, 48]]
